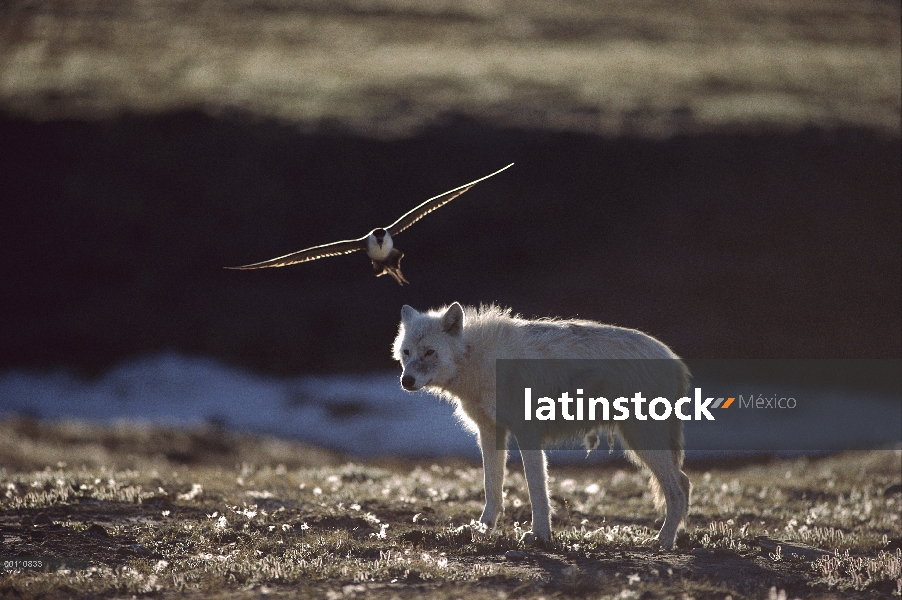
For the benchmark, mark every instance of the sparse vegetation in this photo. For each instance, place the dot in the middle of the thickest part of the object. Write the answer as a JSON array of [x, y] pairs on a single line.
[[268, 516], [390, 67]]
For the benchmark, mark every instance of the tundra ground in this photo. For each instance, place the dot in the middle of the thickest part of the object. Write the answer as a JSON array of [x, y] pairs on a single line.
[[207, 512]]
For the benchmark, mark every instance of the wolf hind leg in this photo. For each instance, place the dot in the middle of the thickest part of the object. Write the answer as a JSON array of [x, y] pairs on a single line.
[[671, 488], [658, 446]]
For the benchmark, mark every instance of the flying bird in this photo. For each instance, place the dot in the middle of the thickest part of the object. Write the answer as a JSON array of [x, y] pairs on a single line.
[[379, 243]]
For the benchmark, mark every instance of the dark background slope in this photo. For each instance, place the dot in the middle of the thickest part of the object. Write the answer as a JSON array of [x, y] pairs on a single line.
[[114, 234]]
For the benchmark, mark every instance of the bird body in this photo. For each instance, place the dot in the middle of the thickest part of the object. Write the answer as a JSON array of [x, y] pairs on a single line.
[[378, 243], [385, 257]]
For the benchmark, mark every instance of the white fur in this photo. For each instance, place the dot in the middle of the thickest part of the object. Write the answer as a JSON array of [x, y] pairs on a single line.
[[452, 351]]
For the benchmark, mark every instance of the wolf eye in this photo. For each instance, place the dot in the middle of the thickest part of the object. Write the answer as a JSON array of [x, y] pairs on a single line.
[[429, 352], [406, 352]]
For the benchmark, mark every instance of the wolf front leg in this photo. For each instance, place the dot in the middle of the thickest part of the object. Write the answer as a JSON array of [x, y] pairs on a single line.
[[493, 461], [536, 469]]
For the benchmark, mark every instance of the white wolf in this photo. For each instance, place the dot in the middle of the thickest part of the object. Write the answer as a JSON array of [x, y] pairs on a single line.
[[452, 351]]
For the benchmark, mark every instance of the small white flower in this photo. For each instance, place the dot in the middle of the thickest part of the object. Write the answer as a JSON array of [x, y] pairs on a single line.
[[381, 535], [196, 489]]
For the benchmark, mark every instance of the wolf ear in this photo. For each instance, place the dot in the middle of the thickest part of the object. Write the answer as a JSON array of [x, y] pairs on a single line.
[[407, 313], [453, 319]]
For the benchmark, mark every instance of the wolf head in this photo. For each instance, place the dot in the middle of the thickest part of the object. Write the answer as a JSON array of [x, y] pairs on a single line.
[[428, 345]]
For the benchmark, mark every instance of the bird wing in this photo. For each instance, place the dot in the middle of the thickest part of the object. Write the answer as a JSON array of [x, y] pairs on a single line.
[[333, 249], [414, 215]]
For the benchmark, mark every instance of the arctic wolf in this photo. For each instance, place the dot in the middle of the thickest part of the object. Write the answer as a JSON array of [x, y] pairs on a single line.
[[451, 352]]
